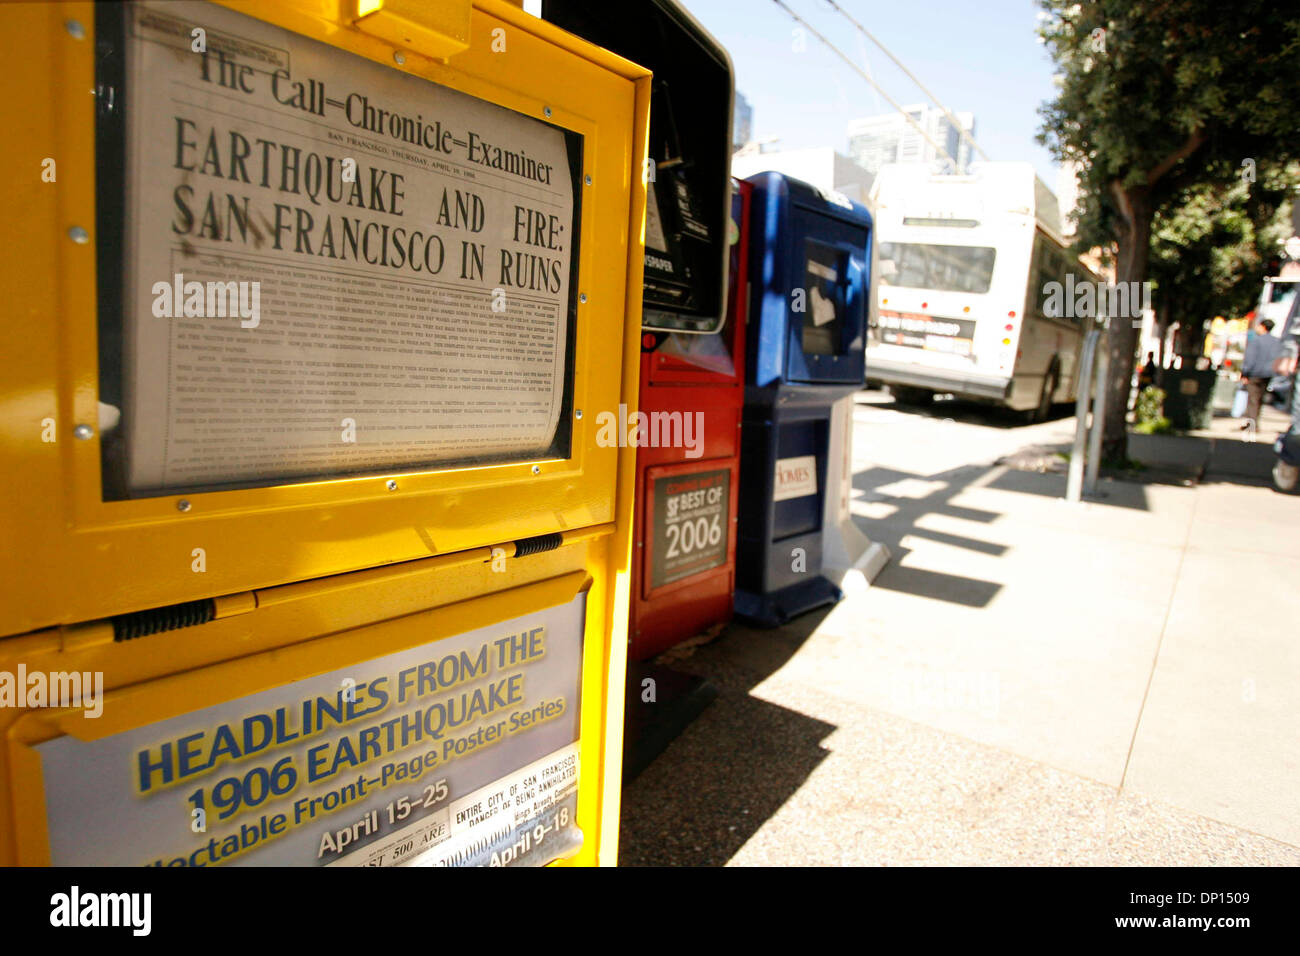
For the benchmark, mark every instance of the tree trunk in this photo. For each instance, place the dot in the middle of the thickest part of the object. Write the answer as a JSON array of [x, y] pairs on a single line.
[[1191, 340], [1134, 241]]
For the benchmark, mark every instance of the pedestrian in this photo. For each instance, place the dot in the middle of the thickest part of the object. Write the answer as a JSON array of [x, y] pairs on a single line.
[[1257, 369], [1286, 473], [1148, 374]]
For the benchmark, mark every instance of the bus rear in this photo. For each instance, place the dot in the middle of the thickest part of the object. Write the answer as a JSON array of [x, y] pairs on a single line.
[[953, 267]]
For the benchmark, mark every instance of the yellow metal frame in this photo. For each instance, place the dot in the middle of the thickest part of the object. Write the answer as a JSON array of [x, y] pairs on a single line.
[[374, 569], [116, 557], [438, 29]]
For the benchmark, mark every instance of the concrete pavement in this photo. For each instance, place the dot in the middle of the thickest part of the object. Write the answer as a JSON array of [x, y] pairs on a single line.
[[1028, 681]]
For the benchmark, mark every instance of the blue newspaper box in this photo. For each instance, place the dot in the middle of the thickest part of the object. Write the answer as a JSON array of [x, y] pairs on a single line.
[[810, 268]]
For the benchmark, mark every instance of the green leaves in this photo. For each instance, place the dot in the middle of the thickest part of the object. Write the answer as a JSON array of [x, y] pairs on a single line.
[[1211, 244], [1178, 95], [1170, 69]]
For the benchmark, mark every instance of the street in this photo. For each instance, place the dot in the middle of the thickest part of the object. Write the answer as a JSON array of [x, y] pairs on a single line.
[[1026, 682]]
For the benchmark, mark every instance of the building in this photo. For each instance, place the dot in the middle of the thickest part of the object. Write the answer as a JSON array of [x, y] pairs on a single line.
[[742, 122], [821, 166], [877, 140]]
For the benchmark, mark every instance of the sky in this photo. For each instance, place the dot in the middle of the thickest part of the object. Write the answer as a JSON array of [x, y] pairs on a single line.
[[983, 57]]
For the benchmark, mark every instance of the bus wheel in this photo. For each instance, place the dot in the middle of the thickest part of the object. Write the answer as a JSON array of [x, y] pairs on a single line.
[[1044, 408], [910, 396]]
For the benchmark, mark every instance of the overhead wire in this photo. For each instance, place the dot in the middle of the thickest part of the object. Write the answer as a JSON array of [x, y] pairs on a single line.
[[858, 70], [961, 131], [878, 88]]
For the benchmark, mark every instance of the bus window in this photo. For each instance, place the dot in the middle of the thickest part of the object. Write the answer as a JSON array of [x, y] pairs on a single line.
[[1044, 271], [916, 265], [1282, 292], [1050, 265], [1065, 264]]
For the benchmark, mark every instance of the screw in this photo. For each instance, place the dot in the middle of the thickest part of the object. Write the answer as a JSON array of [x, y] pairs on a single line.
[[582, 297], [587, 179], [578, 413], [78, 235], [391, 485], [547, 112], [84, 432], [182, 505], [537, 469], [400, 57], [75, 29]]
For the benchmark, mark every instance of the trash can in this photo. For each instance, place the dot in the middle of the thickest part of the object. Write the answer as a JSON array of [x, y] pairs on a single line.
[[1189, 397]]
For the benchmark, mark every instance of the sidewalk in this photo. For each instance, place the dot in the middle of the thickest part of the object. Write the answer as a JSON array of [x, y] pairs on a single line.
[[1026, 682]]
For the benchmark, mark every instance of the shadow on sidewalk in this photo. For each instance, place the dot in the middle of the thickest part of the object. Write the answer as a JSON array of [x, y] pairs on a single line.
[[710, 791], [1116, 494], [969, 413], [700, 801], [1184, 460], [890, 487], [738, 763]]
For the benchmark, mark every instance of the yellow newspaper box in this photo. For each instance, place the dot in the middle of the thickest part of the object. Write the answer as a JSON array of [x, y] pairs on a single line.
[[312, 555]]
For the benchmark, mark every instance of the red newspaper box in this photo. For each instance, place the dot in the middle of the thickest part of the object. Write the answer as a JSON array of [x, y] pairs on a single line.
[[688, 468]]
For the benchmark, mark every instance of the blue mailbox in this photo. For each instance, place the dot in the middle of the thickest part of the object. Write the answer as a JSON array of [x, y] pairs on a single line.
[[810, 270]]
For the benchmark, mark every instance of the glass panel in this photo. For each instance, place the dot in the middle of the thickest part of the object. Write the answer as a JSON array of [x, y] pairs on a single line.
[[916, 265], [825, 280], [1281, 292], [315, 273]]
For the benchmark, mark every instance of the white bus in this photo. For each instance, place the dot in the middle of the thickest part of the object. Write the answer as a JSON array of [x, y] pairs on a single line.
[[1275, 300], [962, 263]]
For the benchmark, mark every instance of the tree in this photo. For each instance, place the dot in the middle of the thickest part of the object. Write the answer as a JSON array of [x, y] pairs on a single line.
[[1156, 97], [1211, 247]]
